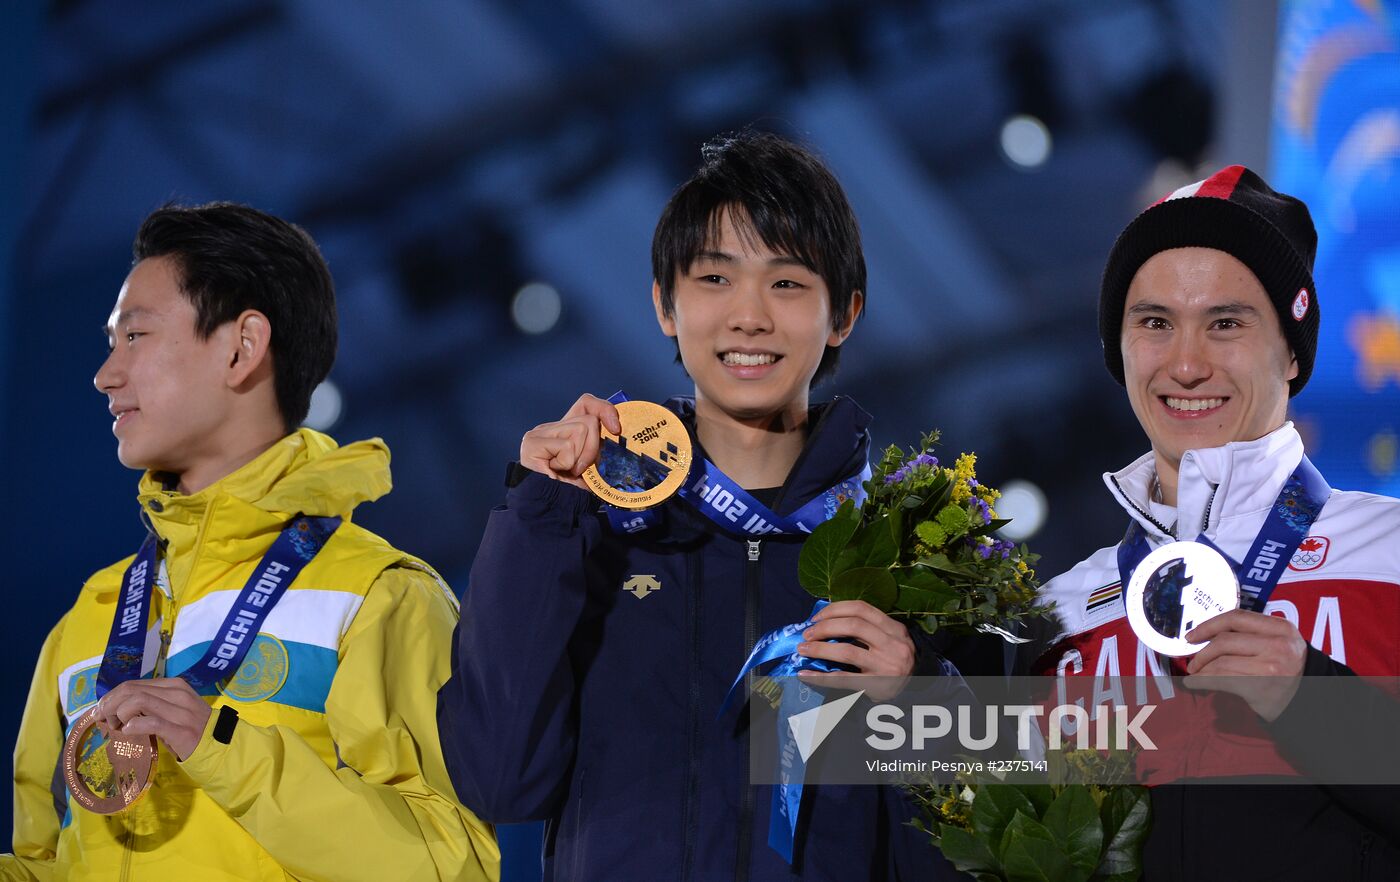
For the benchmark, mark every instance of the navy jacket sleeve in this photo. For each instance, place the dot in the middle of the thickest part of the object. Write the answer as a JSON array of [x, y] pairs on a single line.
[[507, 717], [1364, 720]]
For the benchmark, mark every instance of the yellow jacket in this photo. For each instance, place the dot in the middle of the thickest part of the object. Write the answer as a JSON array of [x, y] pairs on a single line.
[[334, 771]]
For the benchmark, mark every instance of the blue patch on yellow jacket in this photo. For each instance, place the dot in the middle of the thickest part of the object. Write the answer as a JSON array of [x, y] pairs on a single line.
[[285, 671], [263, 672], [82, 689]]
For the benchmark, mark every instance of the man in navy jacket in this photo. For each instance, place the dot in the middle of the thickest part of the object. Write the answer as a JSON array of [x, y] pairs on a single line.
[[590, 665]]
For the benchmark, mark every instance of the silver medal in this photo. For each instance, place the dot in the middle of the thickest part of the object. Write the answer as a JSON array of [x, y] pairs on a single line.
[[1176, 588]]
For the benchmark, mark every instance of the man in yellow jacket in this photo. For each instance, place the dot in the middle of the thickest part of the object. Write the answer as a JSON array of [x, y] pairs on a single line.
[[295, 723]]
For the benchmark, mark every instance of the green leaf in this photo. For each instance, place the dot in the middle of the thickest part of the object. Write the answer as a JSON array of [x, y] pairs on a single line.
[[914, 600], [1127, 816], [940, 564], [920, 577], [966, 851], [849, 560], [1040, 795], [816, 566], [921, 591], [993, 809], [1073, 819], [989, 527], [874, 585], [1029, 854], [875, 545], [911, 502]]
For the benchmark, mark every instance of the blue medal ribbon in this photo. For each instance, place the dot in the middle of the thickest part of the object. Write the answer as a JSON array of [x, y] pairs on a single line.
[[126, 644], [299, 542], [734, 510], [797, 698], [780, 644], [1298, 505]]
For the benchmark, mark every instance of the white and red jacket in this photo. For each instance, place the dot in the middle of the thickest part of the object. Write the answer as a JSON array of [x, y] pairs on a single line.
[[1341, 590]]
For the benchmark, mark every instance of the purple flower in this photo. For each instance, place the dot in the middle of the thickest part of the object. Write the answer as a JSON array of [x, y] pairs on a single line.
[[983, 509], [903, 471]]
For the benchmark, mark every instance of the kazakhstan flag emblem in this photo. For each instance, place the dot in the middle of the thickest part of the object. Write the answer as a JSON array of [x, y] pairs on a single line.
[[263, 672]]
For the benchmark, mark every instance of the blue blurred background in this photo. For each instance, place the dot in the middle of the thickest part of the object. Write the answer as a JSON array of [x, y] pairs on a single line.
[[484, 177]]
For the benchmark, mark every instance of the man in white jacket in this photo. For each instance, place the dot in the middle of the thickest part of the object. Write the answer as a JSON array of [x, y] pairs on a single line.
[[1209, 319]]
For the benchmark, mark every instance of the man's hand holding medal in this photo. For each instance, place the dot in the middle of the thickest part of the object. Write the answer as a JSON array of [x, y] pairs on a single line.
[[165, 707], [1184, 599]]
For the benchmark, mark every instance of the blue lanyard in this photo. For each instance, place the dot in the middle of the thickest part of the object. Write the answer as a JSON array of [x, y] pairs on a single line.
[[797, 697], [299, 542], [780, 644], [1286, 526], [719, 498]]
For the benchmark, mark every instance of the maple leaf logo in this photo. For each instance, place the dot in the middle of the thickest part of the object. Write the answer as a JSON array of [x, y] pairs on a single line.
[[1311, 554]]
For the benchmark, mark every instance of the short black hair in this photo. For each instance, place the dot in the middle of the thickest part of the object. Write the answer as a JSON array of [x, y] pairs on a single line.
[[230, 258], [778, 191]]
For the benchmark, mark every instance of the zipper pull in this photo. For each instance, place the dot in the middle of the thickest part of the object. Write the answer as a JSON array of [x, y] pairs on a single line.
[[754, 546], [163, 654]]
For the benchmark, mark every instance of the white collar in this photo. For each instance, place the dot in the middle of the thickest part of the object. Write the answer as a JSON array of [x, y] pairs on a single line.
[[1238, 480]]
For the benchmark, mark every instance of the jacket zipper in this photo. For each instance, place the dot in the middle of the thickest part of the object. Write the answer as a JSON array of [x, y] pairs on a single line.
[[753, 584], [692, 790], [1165, 530], [1169, 531], [752, 607]]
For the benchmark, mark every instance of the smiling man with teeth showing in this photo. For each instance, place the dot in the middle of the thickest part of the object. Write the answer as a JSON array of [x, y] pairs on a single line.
[[599, 709], [1209, 318]]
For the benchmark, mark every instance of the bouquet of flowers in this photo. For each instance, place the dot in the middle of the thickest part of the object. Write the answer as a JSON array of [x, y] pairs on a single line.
[[1000, 831], [923, 546]]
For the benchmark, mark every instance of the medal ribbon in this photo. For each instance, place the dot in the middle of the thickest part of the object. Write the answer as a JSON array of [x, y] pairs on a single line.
[[1298, 505], [719, 498], [797, 698], [299, 542]]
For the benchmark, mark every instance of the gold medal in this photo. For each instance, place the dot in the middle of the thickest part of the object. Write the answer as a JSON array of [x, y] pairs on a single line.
[[105, 775], [647, 463]]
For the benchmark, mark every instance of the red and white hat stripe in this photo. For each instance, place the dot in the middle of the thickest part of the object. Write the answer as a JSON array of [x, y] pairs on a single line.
[[1220, 185]]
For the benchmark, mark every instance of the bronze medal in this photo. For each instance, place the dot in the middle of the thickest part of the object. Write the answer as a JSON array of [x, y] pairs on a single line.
[[647, 463], [105, 775]]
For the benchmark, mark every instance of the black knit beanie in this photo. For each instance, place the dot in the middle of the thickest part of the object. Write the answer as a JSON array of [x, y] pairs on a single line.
[[1233, 211]]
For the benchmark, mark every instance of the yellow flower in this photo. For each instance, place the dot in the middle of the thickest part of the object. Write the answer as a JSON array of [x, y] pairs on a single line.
[[964, 470], [966, 466]]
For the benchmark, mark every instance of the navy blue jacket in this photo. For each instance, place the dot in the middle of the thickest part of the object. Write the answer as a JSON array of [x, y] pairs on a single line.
[[596, 708]]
